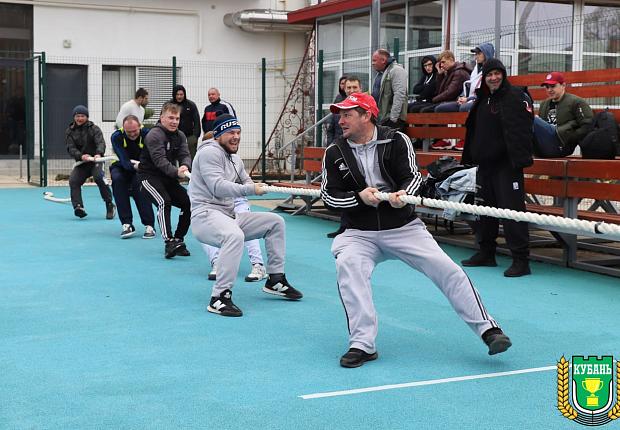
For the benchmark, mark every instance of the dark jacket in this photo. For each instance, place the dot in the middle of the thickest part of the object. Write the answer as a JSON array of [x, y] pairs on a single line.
[[190, 118], [212, 111], [514, 117], [573, 119], [426, 87], [450, 83], [126, 149], [84, 139], [163, 150], [343, 181]]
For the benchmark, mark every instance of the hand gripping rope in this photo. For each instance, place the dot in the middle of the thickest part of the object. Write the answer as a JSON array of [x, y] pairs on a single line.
[[49, 196]]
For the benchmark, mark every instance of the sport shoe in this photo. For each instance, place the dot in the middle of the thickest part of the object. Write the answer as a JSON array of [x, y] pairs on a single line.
[[518, 268], [213, 272], [149, 232], [110, 210], [480, 259], [128, 231], [356, 357], [442, 144], [79, 211], [459, 145], [496, 340], [258, 273], [224, 306], [171, 247], [279, 286], [182, 250]]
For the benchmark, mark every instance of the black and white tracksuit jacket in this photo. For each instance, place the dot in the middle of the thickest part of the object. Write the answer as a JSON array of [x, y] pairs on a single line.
[[343, 181]]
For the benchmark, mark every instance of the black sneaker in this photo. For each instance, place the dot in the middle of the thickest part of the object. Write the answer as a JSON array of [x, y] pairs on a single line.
[[128, 231], [279, 286], [518, 268], [171, 248], [182, 250], [356, 357], [110, 210], [224, 306], [496, 340], [480, 259], [79, 211]]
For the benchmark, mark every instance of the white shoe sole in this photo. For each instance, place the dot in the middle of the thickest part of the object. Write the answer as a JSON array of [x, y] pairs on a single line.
[[253, 279], [128, 235]]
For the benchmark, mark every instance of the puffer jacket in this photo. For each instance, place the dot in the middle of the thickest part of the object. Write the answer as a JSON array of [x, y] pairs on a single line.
[[84, 139]]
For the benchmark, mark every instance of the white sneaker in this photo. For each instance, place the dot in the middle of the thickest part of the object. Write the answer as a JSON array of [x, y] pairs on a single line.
[[258, 273], [213, 272], [149, 232]]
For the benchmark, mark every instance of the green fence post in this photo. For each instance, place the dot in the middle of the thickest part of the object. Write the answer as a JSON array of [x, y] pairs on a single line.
[[42, 103], [319, 108], [396, 48], [264, 120], [174, 71], [28, 70]]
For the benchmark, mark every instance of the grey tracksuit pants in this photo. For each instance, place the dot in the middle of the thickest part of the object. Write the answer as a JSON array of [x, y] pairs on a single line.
[[357, 252], [229, 234]]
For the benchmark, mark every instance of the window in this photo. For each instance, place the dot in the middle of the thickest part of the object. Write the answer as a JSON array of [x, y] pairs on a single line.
[[393, 27], [425, 20], [476, 22], [356, 35], [601, 30], [557, 34], [118, 86], [329, 38], [533, 62]]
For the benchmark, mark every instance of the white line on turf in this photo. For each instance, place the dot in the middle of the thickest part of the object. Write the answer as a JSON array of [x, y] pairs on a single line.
[[422, 383]]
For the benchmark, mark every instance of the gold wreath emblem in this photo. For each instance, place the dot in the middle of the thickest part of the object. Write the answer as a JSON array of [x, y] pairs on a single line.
[[614, 413], [564, 405]]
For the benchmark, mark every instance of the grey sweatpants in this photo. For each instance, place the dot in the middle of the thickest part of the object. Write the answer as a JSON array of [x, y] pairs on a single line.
[[357, 252], [220, 230]]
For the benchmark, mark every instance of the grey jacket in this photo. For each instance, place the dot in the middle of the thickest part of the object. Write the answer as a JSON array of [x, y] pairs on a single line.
[[393, 93], [217, 179]]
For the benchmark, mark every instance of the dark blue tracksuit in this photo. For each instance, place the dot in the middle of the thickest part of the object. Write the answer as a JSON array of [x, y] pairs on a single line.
[[125, 181]]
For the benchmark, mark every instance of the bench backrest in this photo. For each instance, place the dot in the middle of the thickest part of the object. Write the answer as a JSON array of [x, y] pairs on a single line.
[[313, 159]]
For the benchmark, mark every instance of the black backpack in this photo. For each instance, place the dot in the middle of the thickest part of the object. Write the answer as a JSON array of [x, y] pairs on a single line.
[[438, 171], [602, 142]]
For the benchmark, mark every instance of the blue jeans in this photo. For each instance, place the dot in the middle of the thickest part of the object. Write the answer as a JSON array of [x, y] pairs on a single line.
[[547, 143]]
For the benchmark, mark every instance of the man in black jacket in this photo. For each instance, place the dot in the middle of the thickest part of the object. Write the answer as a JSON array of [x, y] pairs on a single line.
[[84, 142], [189, 123], [499, 140], [216, 108], [370, 159], [159, 177]]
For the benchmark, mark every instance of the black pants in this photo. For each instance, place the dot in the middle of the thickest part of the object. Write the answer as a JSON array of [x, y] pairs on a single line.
[[79, 174], [501, 186], [125, 184], [165, 193]]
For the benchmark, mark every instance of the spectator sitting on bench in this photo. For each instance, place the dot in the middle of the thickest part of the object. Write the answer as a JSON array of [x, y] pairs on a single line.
[[426, 87], [563, 120]]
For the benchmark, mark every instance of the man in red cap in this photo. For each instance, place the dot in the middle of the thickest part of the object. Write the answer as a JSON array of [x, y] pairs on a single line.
[[563, 120], [368, 159]]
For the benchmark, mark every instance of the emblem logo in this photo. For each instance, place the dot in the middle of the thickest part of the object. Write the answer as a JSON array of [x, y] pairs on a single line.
[[587, 397]]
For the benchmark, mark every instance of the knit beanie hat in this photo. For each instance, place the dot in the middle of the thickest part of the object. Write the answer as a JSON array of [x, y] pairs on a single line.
[[80, 110], [223, 124]]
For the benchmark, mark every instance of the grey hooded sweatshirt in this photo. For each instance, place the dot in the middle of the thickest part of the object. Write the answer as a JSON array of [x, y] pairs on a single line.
[[217, 179]]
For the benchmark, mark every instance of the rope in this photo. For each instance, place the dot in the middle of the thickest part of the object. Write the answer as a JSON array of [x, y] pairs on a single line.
[[96, 160], [574, 225]]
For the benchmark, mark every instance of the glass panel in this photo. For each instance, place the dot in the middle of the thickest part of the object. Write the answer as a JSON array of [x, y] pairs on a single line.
[[555, 35], [15, 27], [533, 62], [329, 39], [476, 22], [601, 28], [356, 35], [360, 69], [425, 19], [415, 71], [111, 94], [393, 27], [592, 62], [330, 83]]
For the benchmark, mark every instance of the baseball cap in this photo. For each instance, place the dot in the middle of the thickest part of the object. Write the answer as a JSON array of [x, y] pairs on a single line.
[[553, 78], [361, 100]]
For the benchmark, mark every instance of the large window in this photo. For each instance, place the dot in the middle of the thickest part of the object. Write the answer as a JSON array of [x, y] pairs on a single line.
[[557, 31], [393, 27], [329, 35], [476, 22], [118, 86], [601, 29], [356, 35], [425, 20]]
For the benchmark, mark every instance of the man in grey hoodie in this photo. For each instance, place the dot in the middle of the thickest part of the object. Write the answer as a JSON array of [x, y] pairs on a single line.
[[218, 178]]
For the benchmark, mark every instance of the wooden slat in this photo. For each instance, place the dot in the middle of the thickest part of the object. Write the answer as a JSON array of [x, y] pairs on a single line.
[[313, 166], [437, 118], [598, 91], [583, 76], [543, 209], [426, 158], [549, 167], [599, 216], [436, 132], [313, 152], [546, 187], [593, 190], [598, 169]]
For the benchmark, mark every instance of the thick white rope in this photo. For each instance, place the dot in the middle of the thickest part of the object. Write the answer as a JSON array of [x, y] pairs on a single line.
[[96, 160], [49, 196], [575, 225]]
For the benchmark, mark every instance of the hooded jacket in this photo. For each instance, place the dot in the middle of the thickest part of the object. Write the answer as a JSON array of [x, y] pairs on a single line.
[[427, 85], [190, 118], [450, 83], [163, 149], [343, 180], [475, 79], [513, 112], [217, 179], [84, 139]]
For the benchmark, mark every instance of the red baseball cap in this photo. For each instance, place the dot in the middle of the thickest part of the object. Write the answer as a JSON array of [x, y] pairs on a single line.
[[553, 78], [364, 101]]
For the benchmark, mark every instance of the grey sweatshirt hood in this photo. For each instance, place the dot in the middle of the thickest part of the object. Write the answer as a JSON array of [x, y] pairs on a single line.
[[368, 161]]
